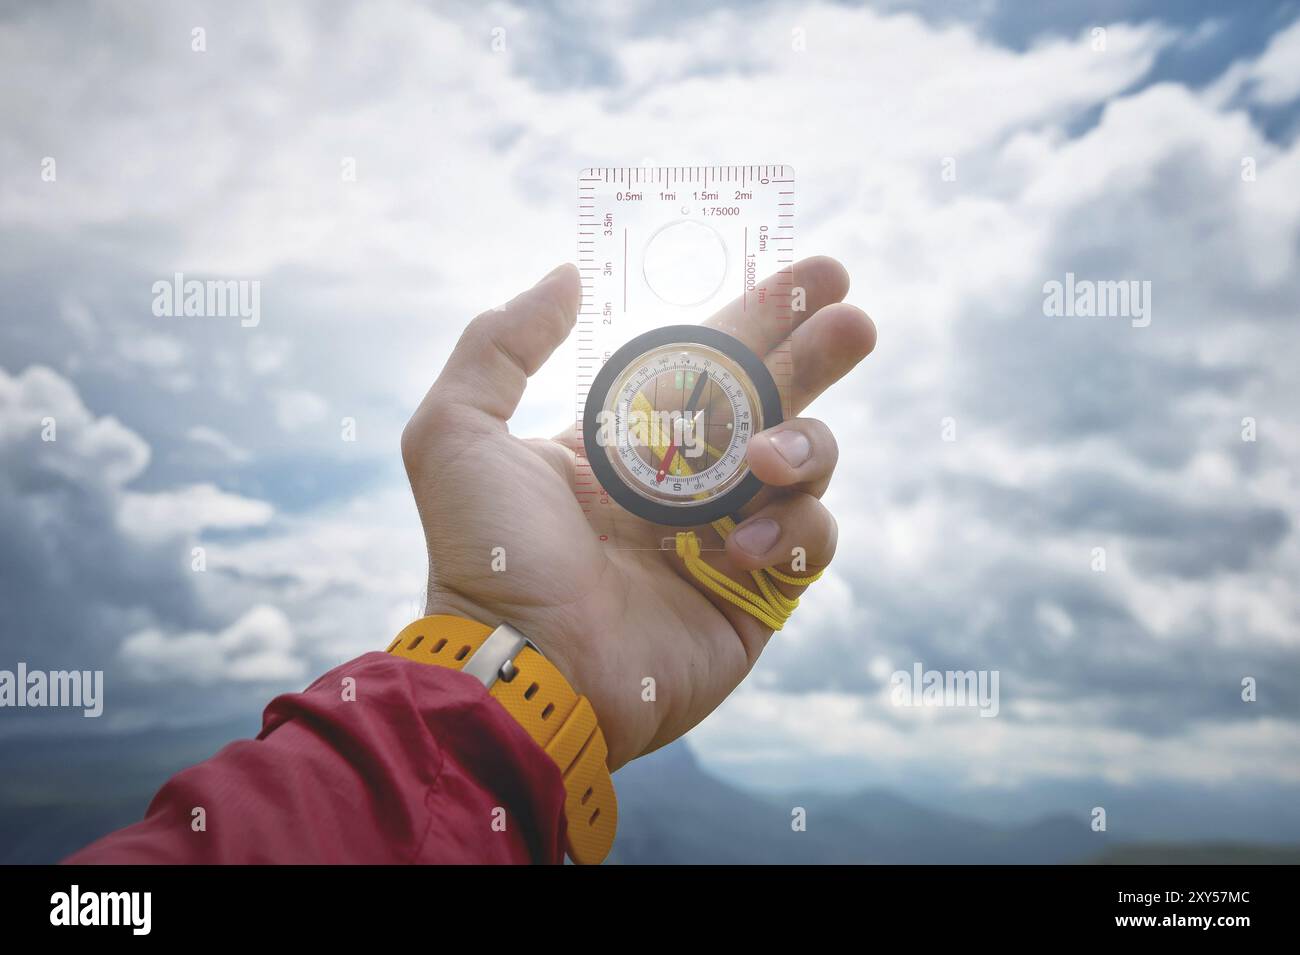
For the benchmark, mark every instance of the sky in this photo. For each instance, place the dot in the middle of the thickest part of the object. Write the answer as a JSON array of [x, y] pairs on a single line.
[[956, 158]]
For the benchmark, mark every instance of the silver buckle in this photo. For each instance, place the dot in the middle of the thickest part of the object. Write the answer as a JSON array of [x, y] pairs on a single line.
[[495, 658]]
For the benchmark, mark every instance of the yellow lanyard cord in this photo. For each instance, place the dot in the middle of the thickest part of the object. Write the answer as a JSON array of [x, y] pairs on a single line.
[[769, 605]]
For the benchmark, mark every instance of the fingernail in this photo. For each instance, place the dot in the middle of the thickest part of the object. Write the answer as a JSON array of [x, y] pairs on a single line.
[[791, 445], [551, 274], [757, 537]]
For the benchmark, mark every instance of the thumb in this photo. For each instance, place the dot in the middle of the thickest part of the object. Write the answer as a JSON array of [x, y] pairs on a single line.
[[500, 349]]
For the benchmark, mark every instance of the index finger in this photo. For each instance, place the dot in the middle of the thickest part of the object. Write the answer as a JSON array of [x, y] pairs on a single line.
[[764, 325]]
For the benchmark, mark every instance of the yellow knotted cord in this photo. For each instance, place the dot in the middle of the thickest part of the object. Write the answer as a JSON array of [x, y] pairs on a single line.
[[769, 605]]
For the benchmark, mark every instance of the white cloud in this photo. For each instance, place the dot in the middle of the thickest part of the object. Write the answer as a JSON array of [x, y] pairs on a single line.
[[90, 560], [256, 648], [1275, 75], [885, 744], [346, 574], [189, 510], [39, 402]]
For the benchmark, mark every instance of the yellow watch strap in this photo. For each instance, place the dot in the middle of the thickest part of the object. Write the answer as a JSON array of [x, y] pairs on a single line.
[[559, 720]]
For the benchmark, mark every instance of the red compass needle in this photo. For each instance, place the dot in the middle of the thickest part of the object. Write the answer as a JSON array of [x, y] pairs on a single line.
[[668, 459]]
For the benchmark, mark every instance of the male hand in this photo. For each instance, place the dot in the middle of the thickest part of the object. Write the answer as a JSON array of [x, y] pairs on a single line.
[[606, 617]]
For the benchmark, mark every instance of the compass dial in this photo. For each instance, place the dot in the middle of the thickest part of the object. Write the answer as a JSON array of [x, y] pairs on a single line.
[[669, 420]]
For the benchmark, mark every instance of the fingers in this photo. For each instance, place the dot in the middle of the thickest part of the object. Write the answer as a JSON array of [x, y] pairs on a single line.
[[790, 527], [823, 350], [827, 340], [799, 454], [763, 326], [490, 365]]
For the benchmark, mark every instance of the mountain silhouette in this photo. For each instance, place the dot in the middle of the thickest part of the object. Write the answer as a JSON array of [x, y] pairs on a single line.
[[672, 811]]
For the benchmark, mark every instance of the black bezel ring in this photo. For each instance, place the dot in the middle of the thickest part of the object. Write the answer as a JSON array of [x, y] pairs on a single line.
[[689, 515]]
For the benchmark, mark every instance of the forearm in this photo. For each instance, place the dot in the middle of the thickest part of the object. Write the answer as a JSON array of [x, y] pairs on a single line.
[[408, 764]]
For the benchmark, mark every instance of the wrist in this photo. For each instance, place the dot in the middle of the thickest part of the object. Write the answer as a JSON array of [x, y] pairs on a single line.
[[554, 643]]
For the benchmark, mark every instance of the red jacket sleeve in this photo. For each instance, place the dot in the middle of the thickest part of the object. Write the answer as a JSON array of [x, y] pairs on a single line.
[[422, 766]]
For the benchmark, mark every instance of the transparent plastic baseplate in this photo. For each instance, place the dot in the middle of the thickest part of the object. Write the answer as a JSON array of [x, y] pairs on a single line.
[[673, 245]]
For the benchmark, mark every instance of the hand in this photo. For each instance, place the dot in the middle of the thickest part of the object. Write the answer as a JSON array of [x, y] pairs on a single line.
[[608, 618]]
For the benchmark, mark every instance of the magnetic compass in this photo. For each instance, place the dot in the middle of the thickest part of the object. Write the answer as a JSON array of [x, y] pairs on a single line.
[[668, 422]]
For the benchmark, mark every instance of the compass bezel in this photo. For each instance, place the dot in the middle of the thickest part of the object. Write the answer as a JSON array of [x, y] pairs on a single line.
[[627, 497]]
